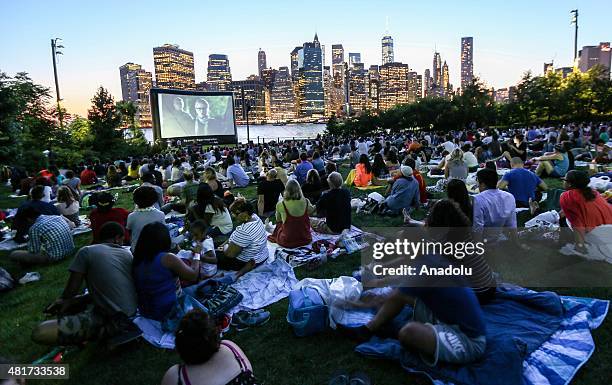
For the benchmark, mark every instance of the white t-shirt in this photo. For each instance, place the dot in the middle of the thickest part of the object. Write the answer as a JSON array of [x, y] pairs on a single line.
[[470, 159], [207, 269], [253, 239], [220, 219], [449, 146]]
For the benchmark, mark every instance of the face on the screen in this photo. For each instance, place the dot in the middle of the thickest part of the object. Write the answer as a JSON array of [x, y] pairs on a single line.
[[201, 109], [178, 104]]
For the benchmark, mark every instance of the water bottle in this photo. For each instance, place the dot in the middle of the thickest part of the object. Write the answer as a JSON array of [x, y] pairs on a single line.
[[323, 254]]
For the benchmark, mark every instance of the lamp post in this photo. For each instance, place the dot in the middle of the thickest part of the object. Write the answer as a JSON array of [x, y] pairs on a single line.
[[54, 52], [575, 22]]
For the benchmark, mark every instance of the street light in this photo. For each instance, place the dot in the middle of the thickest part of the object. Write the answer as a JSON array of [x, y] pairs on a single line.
[[54, 52]]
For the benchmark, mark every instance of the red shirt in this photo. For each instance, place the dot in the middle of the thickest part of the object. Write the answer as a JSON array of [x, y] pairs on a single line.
[[88, 177], [422, 186], [116, 214], [585, 215]]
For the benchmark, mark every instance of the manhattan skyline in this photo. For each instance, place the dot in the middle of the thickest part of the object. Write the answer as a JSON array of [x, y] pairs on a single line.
[[509, 38]]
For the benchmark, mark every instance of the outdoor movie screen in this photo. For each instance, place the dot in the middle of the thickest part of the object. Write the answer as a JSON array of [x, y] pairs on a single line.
[[208, 116]]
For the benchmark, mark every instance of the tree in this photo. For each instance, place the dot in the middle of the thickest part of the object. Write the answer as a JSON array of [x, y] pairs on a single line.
[[105, 120]]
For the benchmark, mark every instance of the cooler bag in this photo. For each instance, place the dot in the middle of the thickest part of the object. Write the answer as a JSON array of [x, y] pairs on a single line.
[[307, 312]]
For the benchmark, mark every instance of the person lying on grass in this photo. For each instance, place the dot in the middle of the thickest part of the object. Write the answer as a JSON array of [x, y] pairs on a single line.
[[207, 359], [107, 270]]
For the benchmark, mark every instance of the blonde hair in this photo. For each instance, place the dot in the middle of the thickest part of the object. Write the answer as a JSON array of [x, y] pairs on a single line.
[[293, 191], [456, 155]]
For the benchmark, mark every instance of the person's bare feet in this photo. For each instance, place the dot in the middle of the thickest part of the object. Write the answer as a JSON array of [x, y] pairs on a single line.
[[533, 206]]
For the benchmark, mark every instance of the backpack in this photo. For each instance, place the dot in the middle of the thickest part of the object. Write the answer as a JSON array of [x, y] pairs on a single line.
[[307, 312], [219, 298]]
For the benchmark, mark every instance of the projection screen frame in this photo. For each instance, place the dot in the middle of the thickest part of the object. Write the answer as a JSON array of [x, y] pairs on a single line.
[[218, 139]]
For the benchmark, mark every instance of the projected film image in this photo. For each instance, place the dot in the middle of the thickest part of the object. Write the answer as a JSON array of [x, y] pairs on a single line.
[[195, 115]]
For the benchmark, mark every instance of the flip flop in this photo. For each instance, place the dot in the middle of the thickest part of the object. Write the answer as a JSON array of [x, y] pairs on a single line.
[[340, 377], [360, 378]]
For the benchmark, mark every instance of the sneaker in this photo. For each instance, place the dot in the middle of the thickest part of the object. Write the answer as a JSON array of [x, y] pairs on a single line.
[[256, 318], [30, 277]]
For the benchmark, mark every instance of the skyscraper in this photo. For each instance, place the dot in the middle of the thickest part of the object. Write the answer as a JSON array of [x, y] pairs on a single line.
[[173, 67], [393, 86], [467, 61], [357, 88], [295, 63], [337, 54], [310, 81], [445, 78], [414, 87], [387, 50], [437, 69], [426, 83], [282, 98], [136, 84], [373, 86], [253, 97], [354, 57], [261, 61], [595, 54], [548, 67], [219, 77]]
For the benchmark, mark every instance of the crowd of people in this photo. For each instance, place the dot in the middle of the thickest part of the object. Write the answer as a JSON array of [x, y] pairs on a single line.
[[300, 189]]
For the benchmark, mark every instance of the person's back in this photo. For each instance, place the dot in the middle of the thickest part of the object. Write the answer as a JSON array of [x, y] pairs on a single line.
[[585, 214], [301, 170], [108, 268], [236, 173], [271, 190], [88, 176], [362, 177], [139, 218], [561, 167], [494, 208], [457, 169], [522, 184], [156, 288], [404, 194], [335, 204], [99, 217], [51, 235]]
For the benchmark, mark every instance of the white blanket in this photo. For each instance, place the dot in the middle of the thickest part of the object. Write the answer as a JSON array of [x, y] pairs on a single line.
[[9, 244]]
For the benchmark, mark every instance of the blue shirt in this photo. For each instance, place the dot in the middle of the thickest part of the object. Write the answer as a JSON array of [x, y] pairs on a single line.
[[156, 288], [318, 164], [452, 306], [236, 173], [51, 235], [302, 170], [522, 184], [404, 194], [494, 208], [561, 166]]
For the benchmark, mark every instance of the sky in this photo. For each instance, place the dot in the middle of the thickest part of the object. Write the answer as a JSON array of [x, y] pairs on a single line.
[[510, 37]]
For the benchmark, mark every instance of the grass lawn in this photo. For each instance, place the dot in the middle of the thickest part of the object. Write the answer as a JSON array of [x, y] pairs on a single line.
[[277, 356]]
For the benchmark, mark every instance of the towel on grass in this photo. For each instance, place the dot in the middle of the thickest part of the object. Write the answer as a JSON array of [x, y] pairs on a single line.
[[532, 339], [9, 244]]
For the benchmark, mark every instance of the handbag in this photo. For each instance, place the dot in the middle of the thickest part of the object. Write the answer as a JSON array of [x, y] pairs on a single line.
[[307, 312]]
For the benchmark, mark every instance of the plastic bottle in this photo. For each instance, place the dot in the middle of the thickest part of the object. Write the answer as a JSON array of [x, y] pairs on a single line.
[[323, 254]]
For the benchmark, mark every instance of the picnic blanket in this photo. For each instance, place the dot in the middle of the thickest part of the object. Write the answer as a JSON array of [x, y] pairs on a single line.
[[9, 243], [263, 286], [532, 339]]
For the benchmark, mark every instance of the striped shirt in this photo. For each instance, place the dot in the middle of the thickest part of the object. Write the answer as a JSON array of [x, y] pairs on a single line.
[[253, 239], [51, 235]]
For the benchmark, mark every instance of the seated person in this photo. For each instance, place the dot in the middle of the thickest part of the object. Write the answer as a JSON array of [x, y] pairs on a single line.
[[210, 209], [207, 358], [204, 246], [280, 171], [441, 315], [517, 148], [493, 208], [455, 167], [188, 192], [113, 178], [145, 198], [404, 195], [583, 207], [88, 176], [47, 189], [301, 170], [317, 162], [410, 162], [335, 206], [148, 179], [603, 154], [363, 172], [456, 190], [521, 183], [235, 174], [73, 182], [293, 218], [312, 188], [554, 165], [105, 212], [106, 269], [469, 158], [20, 224], [68, 206], [49, 239], [247, 247], [380, 172], [268, 192], [156, 272], [210, 177]]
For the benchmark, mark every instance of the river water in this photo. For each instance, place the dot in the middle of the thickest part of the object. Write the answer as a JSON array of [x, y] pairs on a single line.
[[270, 132]]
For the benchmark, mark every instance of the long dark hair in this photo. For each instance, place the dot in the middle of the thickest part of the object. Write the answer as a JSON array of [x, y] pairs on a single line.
[[379, 167], [154, 239], [366, 162], [205, 197], [458, 193], [447, 215], [580, 180]]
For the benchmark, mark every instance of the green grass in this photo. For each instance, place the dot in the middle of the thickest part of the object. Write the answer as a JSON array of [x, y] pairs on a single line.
[[278, 357]]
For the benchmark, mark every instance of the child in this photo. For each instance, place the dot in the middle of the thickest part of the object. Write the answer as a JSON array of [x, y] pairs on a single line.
[[203, 245]]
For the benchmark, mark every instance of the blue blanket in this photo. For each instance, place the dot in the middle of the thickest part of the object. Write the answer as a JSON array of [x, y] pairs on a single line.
[[532, 338]]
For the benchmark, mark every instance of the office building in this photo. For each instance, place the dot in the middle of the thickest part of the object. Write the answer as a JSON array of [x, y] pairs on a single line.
[[548, 67], [174, 68], [373, 86], [354, 57], [295, 64], [310, 80], [426, 83], [467, 61], [590, 56], [261, 61], [447, 88], [337, 54], [357, 88], [393, 85], [387, 50], [564, 71], [253, 98], [282, 97], [136, 85], [219, 77]]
